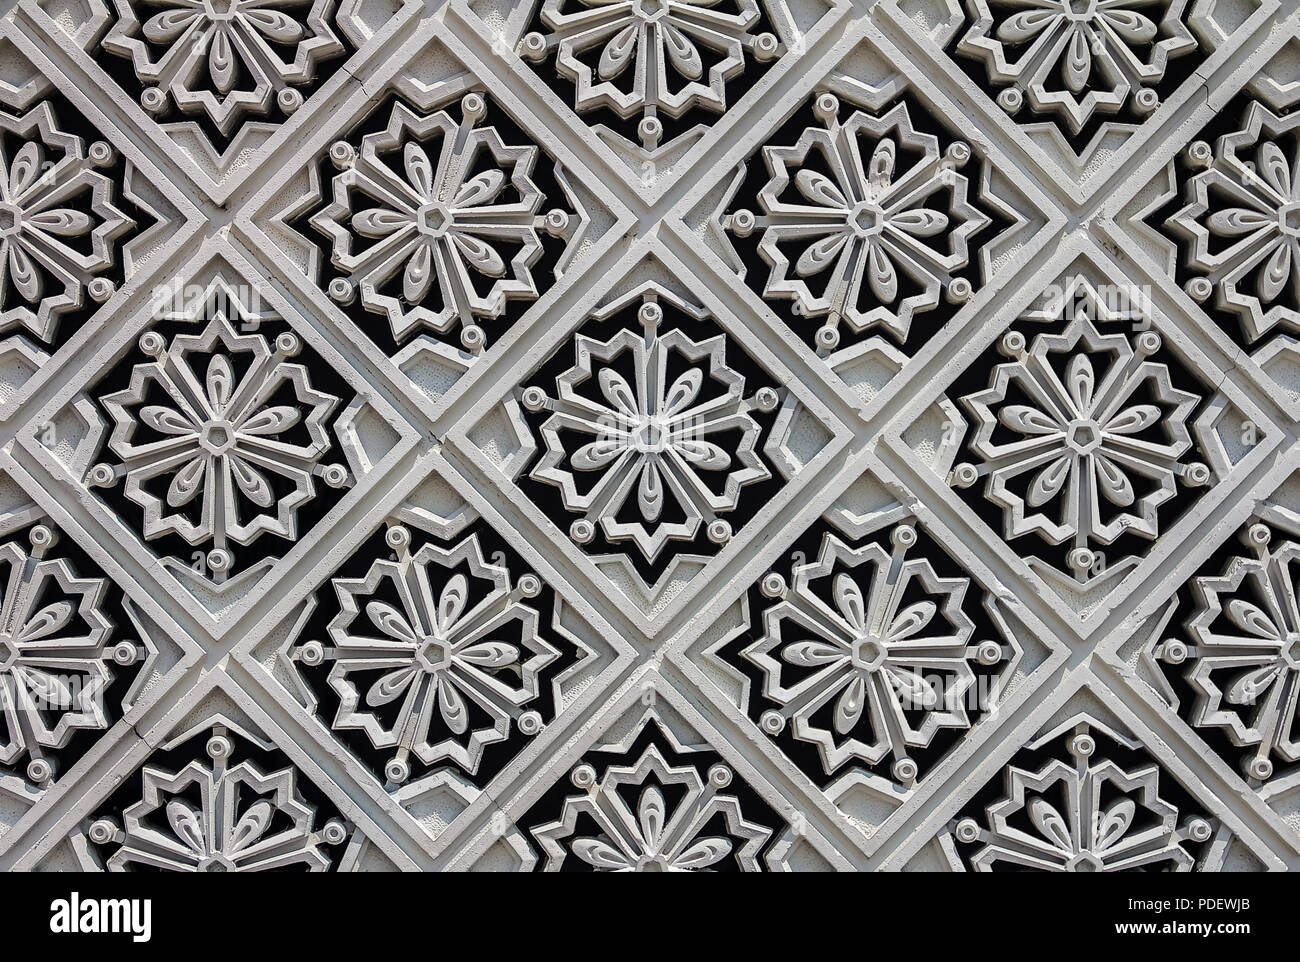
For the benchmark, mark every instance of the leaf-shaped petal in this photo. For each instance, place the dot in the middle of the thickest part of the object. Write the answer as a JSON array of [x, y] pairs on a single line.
[[390, 621], [274, 25], [601, 854], [848, 599], [617, 53], [881, 275], [819, 189], [1133, 419], [455, 713], [1076, 65], [252, 483], [683, 392], [187, 825], [389, 686], [1252, 619], [379, 222], [22, 271], [849, 706], [482, 188], [167, 26], [820, 254], [167, 420], [1050, 824], [650, 491], [1114, 822], [187, 482], [682, 53], [1081, 382], [705, 455], [811, 654], [1275, 273], [46, 622], [220, 383], [1134, 27], [419, 172], [595, 455], [651, 815], [221, 61], [251, 826], [451, 604], [490, 654], [1024, 419], [479, 255], [1026, 24], [617, 391], [912, 619], [1048, 483], [921, 222], [418, 277], [1112, 482], [703, 853], [62, 222], [1249, 687], [272, 420]]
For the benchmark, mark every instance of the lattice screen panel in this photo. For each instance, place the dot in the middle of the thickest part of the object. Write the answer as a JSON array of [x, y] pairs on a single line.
[[752, 435]]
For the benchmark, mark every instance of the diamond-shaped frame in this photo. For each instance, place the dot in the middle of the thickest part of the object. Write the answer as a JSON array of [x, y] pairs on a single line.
[[866, 67], [263, 655], [934, 490], [648, 175], [546, 340], [450, 69], [43, 462]]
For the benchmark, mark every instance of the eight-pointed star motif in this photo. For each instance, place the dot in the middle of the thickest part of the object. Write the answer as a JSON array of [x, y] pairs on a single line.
[[224, 58], [224, 418], [1113, 820], [59, 226], [1241, 223], [433, 229], [245, 820], [651, 435], [1077, 58], [1100, 437], [1244, 663], [878, 240], [869, 675], [654, 838], [54, 653], [468, 654], [650, 56]]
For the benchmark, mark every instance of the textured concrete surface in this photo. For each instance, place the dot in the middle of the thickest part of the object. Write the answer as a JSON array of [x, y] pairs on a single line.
[[652, 434]]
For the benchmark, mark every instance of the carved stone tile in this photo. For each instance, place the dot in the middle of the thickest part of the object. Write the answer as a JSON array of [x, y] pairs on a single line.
[[649, 435]]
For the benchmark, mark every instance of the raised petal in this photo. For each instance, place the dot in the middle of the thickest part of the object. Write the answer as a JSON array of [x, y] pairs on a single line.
[[650, 491], [187, 482], [251, 482], [1048, 483], [820, 254], [617, 53], [848, 599], [1050, 823], [819, 189], [418, 170], [455, 713], [682, 53], [274, 25], [390, 621], [1112, 482], [479, 255], [850, 705], [219, 383], [221, 61]]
